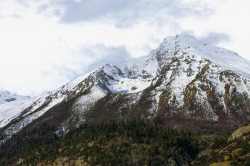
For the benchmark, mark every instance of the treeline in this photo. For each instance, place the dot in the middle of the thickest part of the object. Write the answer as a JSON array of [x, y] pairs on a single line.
[[134, 142]]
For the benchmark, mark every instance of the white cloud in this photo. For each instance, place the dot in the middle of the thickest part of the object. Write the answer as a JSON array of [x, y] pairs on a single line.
[[46, 43], [215, 38]]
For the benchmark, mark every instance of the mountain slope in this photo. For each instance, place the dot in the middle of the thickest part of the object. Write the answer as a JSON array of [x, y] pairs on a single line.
[[183, 81], [235, 151], [6, 96], [135, 142]]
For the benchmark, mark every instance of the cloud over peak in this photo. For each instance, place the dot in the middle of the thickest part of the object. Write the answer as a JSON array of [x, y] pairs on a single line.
[[46, 43]]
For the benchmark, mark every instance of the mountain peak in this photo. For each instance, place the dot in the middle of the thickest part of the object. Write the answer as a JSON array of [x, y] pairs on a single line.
[[183, 38], [183, 77], [222, 57]]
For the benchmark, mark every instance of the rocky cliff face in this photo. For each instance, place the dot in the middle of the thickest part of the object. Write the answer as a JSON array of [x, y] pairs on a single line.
[[183, 81]]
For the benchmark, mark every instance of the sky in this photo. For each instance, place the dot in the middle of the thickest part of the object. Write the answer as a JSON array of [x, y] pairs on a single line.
[[46, 43]]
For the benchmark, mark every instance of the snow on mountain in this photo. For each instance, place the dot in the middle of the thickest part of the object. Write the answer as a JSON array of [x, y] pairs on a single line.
[[118, 81], [190, 79], [26, 110], [149, 66], [6, 96], [224, 58], [181, 74], [12, 109]]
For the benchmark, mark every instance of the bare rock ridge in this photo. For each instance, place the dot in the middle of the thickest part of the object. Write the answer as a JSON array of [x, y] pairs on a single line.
[[182, 81]]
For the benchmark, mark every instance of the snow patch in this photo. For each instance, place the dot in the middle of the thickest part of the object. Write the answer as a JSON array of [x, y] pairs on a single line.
[[128, 85]]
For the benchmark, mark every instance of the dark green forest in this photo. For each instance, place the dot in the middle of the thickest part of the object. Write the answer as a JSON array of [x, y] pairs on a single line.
[[135, 142], [132, 142]]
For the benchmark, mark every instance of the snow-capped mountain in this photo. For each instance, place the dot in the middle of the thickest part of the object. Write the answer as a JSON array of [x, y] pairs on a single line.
[[6, 96], [183, 80]]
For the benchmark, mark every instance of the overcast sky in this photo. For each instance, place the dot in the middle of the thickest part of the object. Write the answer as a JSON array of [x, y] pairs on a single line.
[[46, 43]]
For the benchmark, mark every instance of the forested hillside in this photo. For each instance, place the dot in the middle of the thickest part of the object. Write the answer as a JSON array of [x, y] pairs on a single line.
[[135, 142]]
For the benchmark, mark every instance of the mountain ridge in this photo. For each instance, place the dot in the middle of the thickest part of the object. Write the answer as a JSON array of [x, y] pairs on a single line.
[[7, 96], [174, 80]]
